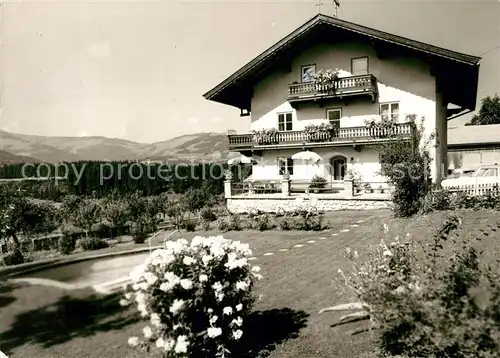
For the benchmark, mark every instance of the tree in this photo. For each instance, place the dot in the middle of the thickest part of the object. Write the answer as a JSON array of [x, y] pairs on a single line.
[[20, 215], [405, 164], [489, 112], [115, 214], [89, 212], [69, 208]]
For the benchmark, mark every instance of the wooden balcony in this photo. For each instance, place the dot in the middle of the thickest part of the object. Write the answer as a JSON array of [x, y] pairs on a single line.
[[343, 136], [343, 87]]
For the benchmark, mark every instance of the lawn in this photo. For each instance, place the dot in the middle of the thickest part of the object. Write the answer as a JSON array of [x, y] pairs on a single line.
[[37, 321]]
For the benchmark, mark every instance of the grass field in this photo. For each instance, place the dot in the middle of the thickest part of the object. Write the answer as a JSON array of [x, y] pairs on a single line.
[[42, 322]]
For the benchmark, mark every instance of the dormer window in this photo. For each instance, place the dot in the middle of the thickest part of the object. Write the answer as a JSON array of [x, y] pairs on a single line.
[[308, 73]]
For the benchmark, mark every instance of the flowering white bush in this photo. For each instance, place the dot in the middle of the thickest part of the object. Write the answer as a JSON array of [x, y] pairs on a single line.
[[325, 80], [195, 296]]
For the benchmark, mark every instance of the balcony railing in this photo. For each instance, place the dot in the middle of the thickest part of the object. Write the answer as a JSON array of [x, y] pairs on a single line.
[[342, 87], [340, 136]]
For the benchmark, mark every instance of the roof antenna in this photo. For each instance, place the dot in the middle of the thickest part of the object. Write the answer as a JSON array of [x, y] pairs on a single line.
[[319, 6], [336, 4]]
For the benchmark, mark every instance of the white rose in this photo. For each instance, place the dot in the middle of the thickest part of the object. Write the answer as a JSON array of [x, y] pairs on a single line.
[[237, 334], [169, 345], [155, 319], [160, 343], [214, 332], [177, 305], [217, 287], [188, 261], [182, 345], [238, 321], [186, 284], [241, 285], [133, 341], [148, 333], [206, 259]]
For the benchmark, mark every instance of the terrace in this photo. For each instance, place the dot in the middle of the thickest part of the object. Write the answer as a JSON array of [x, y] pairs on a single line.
[[287, 195]]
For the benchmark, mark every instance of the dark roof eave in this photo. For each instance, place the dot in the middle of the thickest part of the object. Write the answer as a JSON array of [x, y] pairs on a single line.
[[318, 19], [472, 144]]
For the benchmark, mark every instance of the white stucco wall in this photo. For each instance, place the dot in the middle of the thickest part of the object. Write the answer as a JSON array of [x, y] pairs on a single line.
[[406, 81], [365, 163], [471, 159]]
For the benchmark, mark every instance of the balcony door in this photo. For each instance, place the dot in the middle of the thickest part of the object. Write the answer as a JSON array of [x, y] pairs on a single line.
[[337, 167], [308, 73]]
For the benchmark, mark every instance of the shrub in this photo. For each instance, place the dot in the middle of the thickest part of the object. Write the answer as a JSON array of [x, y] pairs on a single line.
[[190, 224], [140, 237], [431, 301], [234, 223], [175, 211], [285, 223], [14, 258], [222, 224], [207, 214], [66, 244], [262, 222], [309, 222], [195, 295], [315, 222], [436, 200], [405, 164], [206, 225], [318, 182], [488, 201], [93, 243], [197, 198]]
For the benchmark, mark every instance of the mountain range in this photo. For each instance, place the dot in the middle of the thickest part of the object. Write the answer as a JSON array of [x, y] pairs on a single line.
[[198, 147]]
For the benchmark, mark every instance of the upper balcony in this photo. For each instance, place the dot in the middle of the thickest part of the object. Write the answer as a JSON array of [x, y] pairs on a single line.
[[343, 87], [302, 139]]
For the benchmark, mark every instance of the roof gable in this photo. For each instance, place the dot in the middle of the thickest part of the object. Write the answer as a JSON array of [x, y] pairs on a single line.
[[236, 86]]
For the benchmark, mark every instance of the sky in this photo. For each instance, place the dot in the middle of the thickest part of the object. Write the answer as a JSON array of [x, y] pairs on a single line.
[[138, 70]]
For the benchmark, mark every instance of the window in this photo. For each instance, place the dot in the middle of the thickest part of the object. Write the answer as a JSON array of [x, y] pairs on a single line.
[[487, 172], [285, 165], [308, 73], [389, 111], [284, 122], [334, 116], [359, 66]]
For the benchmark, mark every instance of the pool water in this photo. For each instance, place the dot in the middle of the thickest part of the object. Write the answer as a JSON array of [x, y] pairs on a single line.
[[92, 271]]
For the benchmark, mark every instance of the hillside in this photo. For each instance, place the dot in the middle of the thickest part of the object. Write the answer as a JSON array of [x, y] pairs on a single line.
[[9, 158], [197, 147]]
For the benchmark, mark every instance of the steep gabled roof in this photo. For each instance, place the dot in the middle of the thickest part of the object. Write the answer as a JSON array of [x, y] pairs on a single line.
[[239, 81]]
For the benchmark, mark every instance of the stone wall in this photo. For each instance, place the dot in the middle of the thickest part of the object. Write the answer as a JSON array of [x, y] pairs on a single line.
[[244, 205]]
